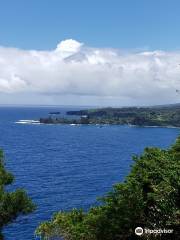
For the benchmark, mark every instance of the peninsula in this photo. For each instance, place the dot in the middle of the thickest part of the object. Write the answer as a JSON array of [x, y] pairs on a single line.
[[166, 115]]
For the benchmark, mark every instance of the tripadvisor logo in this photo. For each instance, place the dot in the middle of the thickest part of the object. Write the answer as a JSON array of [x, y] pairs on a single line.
[[139, 231]]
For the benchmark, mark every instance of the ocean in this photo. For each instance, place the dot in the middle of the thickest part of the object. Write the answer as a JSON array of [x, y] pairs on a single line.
[[65, 166]]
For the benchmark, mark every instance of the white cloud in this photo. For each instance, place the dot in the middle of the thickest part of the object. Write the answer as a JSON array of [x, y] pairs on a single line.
[[74, 70], [71, 46]]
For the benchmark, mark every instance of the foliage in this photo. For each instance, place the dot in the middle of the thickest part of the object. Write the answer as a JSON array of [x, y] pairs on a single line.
[[12, 204], [149, 197], [168, 115]]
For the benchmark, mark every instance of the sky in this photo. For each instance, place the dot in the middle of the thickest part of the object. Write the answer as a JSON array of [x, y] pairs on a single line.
[[93, 52]]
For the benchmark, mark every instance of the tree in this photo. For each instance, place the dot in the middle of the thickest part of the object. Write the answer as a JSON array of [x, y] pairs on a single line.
[[149, 197], [12, 204]]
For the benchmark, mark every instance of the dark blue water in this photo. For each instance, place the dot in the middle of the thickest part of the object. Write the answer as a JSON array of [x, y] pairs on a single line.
[[64, 166]]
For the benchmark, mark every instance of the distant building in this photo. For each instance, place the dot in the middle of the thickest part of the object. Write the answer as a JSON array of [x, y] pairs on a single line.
[[85, 119]]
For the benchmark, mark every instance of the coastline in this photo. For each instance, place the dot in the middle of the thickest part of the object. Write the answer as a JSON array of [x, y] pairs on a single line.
[[36, 122]]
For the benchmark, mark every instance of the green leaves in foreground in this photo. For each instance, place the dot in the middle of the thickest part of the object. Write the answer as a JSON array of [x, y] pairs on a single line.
[[12, 204], [149, 197]]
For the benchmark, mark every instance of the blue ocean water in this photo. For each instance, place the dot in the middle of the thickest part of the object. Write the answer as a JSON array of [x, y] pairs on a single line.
[[64, 166]]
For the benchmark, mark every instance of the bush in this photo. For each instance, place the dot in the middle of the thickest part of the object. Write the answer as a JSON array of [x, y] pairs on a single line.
[[12, 204], [149, 197]]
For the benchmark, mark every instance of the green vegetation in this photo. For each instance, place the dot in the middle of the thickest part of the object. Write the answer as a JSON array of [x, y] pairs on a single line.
[[12, 204], [149, 197], [141, 116]]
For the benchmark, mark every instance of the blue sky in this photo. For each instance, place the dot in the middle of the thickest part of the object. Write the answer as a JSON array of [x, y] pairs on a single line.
[[89, 52], [126, 24]]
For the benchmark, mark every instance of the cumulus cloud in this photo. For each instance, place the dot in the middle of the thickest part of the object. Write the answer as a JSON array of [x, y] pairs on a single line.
[[74, 69]]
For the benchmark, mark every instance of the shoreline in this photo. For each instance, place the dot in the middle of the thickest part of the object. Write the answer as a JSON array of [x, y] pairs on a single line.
[[36, 122]]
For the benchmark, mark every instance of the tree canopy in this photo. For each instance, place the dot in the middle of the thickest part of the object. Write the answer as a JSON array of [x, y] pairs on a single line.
[[12, 204], [149, 197]]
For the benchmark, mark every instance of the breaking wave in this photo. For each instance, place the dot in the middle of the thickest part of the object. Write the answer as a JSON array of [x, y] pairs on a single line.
[[28, 122]]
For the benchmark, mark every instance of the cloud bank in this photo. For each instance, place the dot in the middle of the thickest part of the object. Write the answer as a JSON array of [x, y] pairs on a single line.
[[74, 70]]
